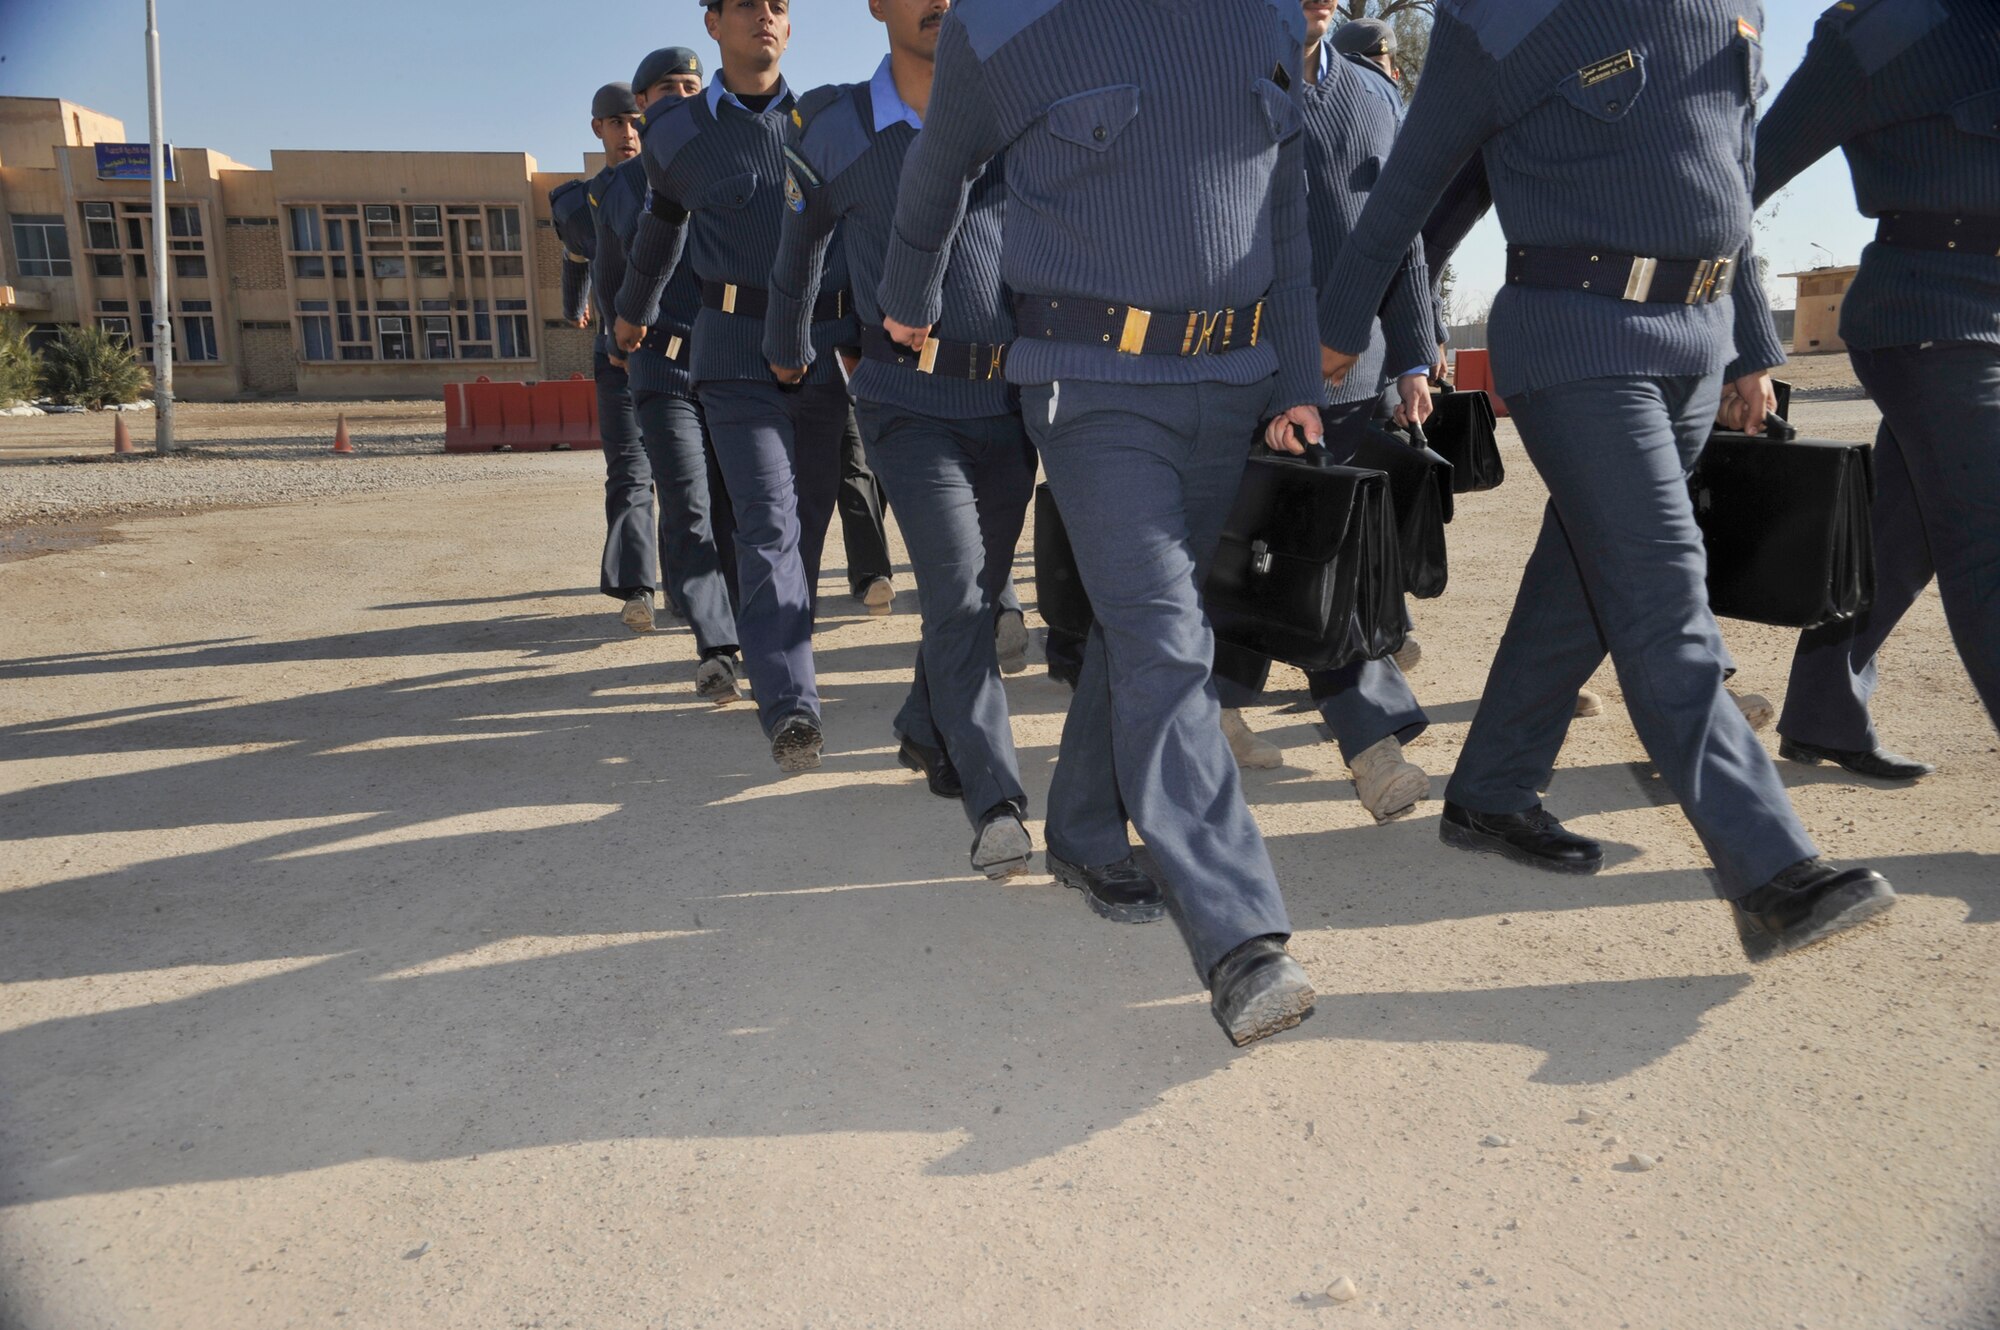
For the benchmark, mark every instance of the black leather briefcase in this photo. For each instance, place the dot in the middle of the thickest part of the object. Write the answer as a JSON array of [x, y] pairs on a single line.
[[1786, 524], [1419, 490], [1059, 588], [1308, 570], [1462, 431]]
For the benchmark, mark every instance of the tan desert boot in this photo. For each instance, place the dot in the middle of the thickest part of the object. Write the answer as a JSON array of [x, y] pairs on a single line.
[[1388, 785], [1252, 753]]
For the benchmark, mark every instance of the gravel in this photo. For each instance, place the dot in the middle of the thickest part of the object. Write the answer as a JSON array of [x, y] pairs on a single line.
[[222, 476]]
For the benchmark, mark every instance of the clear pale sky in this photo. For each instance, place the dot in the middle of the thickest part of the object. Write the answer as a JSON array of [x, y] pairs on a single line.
[[247, 76]]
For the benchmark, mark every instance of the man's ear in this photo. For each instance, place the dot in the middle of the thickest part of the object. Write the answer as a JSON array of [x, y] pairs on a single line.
[[711, 18]]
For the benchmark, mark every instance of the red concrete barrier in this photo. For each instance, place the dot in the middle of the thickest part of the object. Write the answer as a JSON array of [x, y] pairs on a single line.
[[484, 416], [1473, 369]]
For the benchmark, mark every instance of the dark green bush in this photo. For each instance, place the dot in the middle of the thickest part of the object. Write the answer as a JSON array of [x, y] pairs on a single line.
[[91, 367], [20, 368]]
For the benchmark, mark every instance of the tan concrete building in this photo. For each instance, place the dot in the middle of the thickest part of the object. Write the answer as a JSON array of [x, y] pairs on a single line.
[[333, 274], [1816, 325]]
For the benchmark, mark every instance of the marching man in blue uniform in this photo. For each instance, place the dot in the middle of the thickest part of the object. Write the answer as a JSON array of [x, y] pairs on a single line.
[[692, 543], [1368, 706], [629, 571], [716, 164], [940, 425], [1617, 137], [1911, 93], [1154, 239]]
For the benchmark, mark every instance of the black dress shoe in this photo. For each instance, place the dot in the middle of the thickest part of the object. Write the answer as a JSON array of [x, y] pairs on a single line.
[[795, 744], [1065, 673], [1001, 846], [1879, 763], [1257, 990], [1120, 892], [1533, 838], [934, 765], [1809, 901]]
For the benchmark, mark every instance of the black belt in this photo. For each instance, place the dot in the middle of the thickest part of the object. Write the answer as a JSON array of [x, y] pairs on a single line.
[[976, 362], [672, 343], [1621, 276], [751, 301], [1134, 331], [1940, 231]]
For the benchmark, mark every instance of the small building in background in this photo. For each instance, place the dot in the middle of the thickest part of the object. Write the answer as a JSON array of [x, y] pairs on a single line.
[[332, 275], [1817, 318]]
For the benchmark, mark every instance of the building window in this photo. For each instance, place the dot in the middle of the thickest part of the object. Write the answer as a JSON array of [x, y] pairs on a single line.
[[430, 265], [505, 224], [100, 229], [513, 330], [316, 336], [507, 265], [107, 265], [437, 338], [190, 265], [305, 228], [425, 220], [198, 341], [184, 220], [395, 337], [383, 219], [41, 247], [118, 326], [309, 265], [386, 267]]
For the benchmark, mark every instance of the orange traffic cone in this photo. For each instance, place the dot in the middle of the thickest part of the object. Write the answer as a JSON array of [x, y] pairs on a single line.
[[340, 441], [121, 437]]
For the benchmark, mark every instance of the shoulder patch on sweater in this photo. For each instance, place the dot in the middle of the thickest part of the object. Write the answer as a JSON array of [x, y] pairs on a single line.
[[1877, 31], [663, 136], [566, 198], [1500, 25], [1294, 19], [835, 137], [991, 24]]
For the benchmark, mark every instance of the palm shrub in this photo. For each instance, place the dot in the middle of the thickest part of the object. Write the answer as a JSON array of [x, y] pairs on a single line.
[[20, 368], [87, 366]]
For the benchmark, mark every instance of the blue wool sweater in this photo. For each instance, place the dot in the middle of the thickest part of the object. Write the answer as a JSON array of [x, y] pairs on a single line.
[[570, 207], [1910, 90], [1623, 125], [1349, 132], [1154, 158], [647, 370], [718, 182], [849, 180]]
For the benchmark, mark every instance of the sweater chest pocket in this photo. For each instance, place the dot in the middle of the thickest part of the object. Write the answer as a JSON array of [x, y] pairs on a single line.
[[729, 195], [1979, 114], [1094, 120], [1606, 89], [1750, 55], [1281, 114]]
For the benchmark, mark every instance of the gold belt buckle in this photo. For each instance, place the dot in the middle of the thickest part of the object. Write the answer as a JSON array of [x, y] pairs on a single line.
[[1132, 338], [1721, 277], [1703, 270], [729, 297], [673, 348], [927, 356], [998, 362]]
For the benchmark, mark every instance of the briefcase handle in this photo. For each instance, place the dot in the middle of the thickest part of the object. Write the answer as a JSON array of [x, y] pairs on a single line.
[[1777, 427], [1315, 454]]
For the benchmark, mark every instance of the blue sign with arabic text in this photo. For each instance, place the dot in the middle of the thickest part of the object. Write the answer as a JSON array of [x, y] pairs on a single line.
[[130, 161]]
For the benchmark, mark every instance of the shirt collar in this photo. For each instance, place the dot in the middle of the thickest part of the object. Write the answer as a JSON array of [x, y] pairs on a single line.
[[1325, 60], [890, 108], [717, 95]]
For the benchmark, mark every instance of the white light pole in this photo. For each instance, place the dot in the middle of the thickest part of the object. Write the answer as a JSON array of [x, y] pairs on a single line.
[[163, 323]]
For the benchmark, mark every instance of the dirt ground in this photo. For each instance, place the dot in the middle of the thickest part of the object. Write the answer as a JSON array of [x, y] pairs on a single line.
[[391, 940]]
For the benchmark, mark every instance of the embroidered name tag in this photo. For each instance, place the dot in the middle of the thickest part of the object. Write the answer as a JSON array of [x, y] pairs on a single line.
[[1609, 67]]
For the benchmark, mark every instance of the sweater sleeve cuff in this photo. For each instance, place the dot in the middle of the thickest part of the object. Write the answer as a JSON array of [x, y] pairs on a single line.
[[787, 330], [639, 295], [1299, 382], [1757, 344], [912, 290]]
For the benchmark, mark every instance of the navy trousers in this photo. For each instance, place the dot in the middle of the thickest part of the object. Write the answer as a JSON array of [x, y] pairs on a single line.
[[1144, 477], [1937, 511], [631, 559], [1620, 567], [863, 508], [961, 488], [779, 451], [690, 557]]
